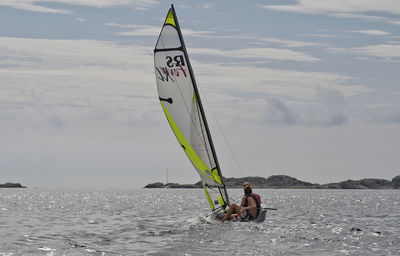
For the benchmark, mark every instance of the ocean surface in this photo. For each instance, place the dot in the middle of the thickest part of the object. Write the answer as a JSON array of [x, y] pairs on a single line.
[[175, 222]]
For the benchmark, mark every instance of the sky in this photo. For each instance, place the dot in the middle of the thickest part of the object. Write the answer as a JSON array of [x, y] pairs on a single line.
[[304, 88]]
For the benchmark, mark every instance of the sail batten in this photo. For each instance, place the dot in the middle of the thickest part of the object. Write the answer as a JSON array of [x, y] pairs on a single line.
[[180, 100]]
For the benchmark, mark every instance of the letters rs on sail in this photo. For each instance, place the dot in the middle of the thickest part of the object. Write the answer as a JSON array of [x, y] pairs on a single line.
[[174, 68], [175, 61]]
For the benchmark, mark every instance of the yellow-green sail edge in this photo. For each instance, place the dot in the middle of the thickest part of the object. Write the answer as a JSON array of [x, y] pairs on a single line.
[[170, 18], [209, 198], [191, 154]]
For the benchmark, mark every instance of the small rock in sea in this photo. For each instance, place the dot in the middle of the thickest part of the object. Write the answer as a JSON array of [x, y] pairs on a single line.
[[11, 185], [75, 244], [355, 229]]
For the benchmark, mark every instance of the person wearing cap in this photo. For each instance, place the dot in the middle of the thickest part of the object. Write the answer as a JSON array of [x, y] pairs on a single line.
[[248, 209], [254, 194]]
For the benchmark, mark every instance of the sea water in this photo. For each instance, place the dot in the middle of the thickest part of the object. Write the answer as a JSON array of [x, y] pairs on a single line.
[[175, 222]]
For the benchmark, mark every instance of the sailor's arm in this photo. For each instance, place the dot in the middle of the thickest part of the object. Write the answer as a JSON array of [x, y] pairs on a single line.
[[243, 200]]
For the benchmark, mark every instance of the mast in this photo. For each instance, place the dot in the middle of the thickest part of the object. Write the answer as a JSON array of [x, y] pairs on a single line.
[[196, 91]]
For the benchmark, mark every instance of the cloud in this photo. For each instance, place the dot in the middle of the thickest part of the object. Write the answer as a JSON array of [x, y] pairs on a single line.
[[137, 30], [91, 107], [65, 79], [278, 82], [83, 108], [371, 32], [278, 112], [262, 96], [148, 30], [257, 53], [29, 5], [328, 109], [116, 63], [387, 52], [88, 79], [320, 35], [39, 5], [205, 6], [390, 51], [30, 52], [287, 43], [383, 108], [342, 8], [364, 17], [333, 108], [388, 114]]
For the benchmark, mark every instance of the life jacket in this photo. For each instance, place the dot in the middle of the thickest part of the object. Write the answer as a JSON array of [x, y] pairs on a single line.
[[255, 199], [258, 198]]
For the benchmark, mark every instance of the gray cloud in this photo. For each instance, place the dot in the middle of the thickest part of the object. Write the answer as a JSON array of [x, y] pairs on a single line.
[[278, 112], [342, 8], [330, 108], [336, 106], [148, 30], [287, 43], [40, 5], [383, 114], [336, 119], [92, 109], [371, 32], [259, 53], [385, 52], [56, 122]]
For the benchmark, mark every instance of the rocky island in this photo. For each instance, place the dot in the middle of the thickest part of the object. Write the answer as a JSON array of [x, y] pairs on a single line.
[[287, 182], [11, 185]]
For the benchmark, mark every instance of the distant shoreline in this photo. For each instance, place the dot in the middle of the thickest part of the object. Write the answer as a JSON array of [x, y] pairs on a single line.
[[11, 185], [287, 182]]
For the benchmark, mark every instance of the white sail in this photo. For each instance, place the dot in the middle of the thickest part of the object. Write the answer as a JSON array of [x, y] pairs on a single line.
[[180, 100]]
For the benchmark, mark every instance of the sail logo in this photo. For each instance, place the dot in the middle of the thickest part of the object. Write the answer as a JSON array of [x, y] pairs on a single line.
[[174, 68], [178, 61]]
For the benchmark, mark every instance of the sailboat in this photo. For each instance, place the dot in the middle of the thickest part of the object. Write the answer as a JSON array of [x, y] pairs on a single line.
[[181, 102]]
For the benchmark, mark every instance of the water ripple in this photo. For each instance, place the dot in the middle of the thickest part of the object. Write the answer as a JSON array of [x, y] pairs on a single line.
[[175, 222]]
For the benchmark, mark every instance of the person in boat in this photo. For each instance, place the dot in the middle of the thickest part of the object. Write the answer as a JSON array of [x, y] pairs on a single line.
[[254, 194], [248, 209]]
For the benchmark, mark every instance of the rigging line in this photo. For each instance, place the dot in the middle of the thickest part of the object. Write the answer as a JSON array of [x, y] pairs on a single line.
[[223, 135], [184, 102], [234, 200], [213, 190]]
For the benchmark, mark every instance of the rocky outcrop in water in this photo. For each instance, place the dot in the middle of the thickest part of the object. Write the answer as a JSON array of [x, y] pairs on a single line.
[[274, 181], [155, 185], [11, 185], [396, 181], [171, 185], [360, 184], [287, 182]]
